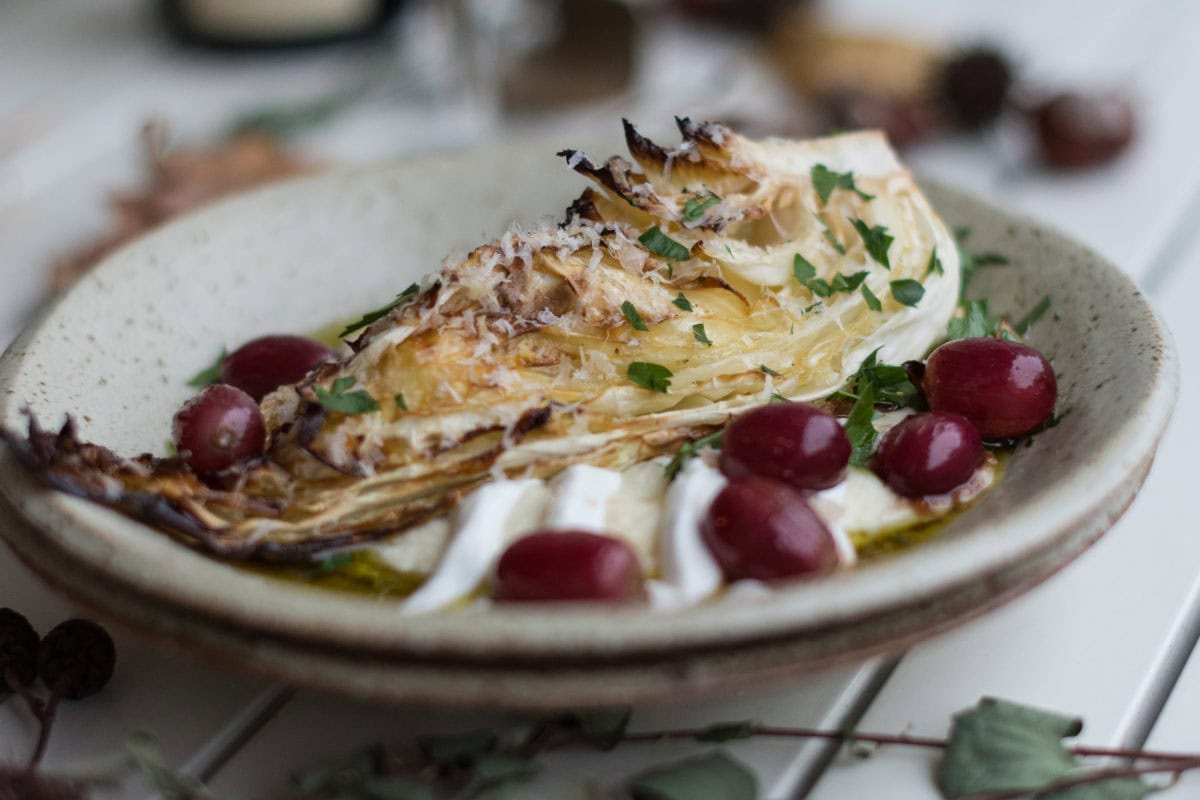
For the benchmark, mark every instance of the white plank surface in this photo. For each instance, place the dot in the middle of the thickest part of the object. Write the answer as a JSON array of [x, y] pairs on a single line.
[[315, 729], [1101, 639], [67, 133]]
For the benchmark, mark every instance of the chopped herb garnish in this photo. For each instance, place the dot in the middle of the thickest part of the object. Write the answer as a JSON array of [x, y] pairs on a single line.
[[631, 314], [889, 382], [682, 302], [969, 262], [210, 374], [872, 301], [400, 404], [803, 269], [975, 322], [701, 336], [689, 451], [770, 371], [659, 243], [336, 398], [651, 376], [829, 237], [695, 207], [907, 291], [1022, 325], [369, 317], [876, 239], [935, 264], [826, 180], [776, 397], [860, 426], [820, 287], [848, 283], [809, 308]]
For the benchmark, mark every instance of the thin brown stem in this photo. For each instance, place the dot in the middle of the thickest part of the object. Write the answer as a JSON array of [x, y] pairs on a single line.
[[13, 681], [49, 712], [904, 740]]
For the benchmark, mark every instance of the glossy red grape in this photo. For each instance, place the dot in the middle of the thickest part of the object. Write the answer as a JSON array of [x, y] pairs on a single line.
[[567, 565], [764, 529], [791, 442], [931, 453], [1083, 130], [218, 428], [1004, 388], [260, 366]]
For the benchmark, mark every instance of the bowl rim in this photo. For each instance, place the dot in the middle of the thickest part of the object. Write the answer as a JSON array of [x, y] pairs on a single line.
[[130, 555]]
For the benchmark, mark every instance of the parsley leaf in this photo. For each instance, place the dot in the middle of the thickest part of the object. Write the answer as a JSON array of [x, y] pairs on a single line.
[[660, 244], [969, 262], [889, 383], [631, 314], [1023, 325], [975, 322], [848, 283], [701, 336], [689, 451], [210, 374], [776, 397], [860, 426], [803, 269], [400, 404], [876, 240], [337, 399], [805, 273], [826, 180], [770, 371], [695, 207], [829, 237], [369, 317], [651, 376], [872, 301], [935, 264], [682, 302], [820, 287], [908, 292]]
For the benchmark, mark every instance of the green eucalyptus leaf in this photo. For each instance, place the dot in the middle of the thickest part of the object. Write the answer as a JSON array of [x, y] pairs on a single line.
[[715, 776], [1002, 746], [1112, 789]]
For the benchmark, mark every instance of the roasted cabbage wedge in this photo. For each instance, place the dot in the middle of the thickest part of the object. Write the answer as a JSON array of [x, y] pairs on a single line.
[[684, 286]]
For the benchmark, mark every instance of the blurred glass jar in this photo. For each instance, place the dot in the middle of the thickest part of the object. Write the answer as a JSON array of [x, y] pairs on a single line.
[[252, 24]]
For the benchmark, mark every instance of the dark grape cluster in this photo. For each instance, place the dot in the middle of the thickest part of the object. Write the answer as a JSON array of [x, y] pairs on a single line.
[[73, 661]]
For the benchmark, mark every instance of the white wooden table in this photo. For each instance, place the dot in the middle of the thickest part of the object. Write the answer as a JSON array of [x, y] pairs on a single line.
[[1108, 638]]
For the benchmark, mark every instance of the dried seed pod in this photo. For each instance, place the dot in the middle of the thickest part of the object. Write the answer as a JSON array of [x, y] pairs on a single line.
[[76, 659], [18, 649]]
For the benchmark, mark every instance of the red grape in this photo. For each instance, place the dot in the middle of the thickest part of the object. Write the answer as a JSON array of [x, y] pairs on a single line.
[[1083, 130], [567, 565], [263, 365], [1004, 388], [218, 428], [791, 442], [764, 529], [928, 454]]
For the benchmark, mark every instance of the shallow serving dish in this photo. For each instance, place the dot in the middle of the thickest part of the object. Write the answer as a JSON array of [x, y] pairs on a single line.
[[117, 349]]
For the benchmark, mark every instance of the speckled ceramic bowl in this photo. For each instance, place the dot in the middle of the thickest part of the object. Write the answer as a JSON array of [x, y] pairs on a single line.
[[116, 350]]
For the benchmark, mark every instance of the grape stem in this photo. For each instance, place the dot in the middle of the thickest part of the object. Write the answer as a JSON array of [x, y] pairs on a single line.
[[43, 711]]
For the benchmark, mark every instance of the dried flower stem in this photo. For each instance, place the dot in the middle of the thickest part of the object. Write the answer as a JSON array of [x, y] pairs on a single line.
[[911, 741]]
